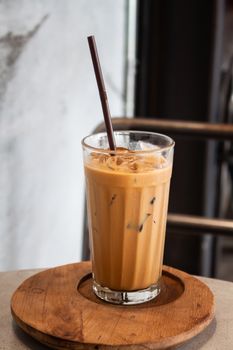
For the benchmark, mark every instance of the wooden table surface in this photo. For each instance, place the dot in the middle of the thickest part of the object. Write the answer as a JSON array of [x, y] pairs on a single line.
[[219, 335]]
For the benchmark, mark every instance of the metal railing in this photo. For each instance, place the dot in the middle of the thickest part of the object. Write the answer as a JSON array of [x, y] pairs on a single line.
[[182, 128]]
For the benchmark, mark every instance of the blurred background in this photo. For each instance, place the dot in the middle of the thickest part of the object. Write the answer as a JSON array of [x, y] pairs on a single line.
[[48, 103], [161, 59]]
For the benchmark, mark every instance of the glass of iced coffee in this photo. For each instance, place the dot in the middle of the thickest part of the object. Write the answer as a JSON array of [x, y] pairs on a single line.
[[127, 199]]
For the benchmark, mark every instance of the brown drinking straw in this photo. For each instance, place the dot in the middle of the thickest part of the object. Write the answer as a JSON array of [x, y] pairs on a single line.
[[102, 91]]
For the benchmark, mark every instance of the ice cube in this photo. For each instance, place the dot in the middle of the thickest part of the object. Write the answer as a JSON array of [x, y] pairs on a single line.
[[143, 146]]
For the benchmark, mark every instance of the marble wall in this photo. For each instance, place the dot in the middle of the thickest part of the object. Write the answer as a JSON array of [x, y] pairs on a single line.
[[48, 103]]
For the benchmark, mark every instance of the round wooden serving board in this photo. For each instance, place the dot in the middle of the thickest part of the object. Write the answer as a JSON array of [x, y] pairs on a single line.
[[59, 309]]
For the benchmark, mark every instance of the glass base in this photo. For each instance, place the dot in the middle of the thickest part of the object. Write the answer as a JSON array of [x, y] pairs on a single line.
[[126, 298]]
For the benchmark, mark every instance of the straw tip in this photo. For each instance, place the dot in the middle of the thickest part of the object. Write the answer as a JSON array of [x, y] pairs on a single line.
[[90, 37]]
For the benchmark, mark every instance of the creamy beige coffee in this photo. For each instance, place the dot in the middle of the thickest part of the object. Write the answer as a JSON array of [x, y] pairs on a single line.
[[127, 198]]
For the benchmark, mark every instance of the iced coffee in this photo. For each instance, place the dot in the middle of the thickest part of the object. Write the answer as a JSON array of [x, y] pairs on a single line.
[[127, 200]]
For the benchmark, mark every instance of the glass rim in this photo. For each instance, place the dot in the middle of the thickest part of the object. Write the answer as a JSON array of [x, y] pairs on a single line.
[[149, 150]]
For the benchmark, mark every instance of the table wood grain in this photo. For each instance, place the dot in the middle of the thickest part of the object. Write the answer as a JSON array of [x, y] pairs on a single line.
[[218, 335], [58, 308]]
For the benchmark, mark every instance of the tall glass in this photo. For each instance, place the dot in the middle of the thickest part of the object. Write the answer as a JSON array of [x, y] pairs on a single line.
[[127, 199]]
